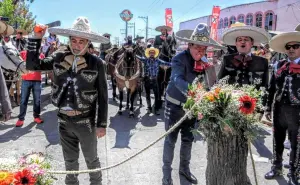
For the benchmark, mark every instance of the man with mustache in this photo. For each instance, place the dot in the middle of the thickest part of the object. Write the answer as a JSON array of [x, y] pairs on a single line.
[[187, 66], [284, 92], [79, 85]]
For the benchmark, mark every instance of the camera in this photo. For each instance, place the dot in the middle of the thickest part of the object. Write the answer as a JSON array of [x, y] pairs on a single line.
[[6, 19]]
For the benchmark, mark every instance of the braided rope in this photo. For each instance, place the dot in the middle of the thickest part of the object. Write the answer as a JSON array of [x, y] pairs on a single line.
[[130, 157]]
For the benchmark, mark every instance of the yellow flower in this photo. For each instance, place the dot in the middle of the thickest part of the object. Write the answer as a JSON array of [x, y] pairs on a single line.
[[210, 97], [6, 178]]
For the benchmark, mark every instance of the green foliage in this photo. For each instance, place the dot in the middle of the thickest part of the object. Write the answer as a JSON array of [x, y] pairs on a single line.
[[18, 13]]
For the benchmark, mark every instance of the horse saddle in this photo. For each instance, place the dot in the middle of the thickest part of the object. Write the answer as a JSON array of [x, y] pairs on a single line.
[[69, 59]]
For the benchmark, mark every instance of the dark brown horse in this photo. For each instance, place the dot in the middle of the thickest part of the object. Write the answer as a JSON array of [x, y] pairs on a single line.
[[127, 73]]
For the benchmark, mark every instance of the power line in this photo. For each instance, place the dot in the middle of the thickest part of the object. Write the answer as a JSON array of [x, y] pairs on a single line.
[[153, 3], [294, 13], [190, 9]]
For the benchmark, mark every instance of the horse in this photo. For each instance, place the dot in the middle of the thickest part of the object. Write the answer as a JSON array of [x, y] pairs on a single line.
[[13, 67], [127, 73], [111, 60]]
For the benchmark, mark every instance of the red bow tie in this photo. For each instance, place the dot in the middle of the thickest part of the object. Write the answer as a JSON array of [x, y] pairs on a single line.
[[200, 66], [294, 68], [242, 59]]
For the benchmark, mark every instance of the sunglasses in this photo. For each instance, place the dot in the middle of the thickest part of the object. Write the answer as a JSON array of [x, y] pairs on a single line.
[[107, 36], [20, 33], [295, 46]]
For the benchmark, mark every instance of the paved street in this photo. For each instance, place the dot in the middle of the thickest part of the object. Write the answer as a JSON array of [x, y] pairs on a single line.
[[125, 136]]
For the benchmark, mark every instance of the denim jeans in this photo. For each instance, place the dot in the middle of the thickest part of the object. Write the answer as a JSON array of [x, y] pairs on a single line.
[[172, 114], [26, 88]]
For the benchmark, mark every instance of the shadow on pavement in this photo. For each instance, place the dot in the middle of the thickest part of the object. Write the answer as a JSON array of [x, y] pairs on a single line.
[[15, 133], [259, 144], [50, 127]]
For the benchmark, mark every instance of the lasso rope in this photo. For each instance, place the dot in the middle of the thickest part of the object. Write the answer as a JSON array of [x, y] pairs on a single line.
[[147, 147], [131, 157]]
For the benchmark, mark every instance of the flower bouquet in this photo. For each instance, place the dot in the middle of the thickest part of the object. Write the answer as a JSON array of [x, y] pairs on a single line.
[[28, 170], [228, 118]]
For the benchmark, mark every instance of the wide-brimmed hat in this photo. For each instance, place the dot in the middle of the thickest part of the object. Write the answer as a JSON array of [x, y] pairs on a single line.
[[199, 36], [297, 27], [159, 28], [138, 37], [106, 34], [151, 49], [6, 28], [238, 29], [81, 28], [279, 42], [24, 32]]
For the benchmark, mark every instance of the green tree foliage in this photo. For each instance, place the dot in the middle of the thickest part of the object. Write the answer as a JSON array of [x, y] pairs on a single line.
[[18, 13]]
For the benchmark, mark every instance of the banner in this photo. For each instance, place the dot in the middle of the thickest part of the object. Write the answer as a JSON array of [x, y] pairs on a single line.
[[169, 19], [214, 22], [214, 27]]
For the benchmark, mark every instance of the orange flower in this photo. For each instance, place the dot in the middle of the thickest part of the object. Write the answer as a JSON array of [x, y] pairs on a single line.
[[217, 90], [6, 178], [199, 86], [210, 97]]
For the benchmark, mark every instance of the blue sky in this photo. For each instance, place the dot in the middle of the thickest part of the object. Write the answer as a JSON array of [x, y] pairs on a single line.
[[104, 15]]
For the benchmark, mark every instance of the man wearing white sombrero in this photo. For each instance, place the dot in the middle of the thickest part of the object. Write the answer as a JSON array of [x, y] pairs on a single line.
[[243, 67], [187, 66], [284, 92], [79, 85], [151, 67]]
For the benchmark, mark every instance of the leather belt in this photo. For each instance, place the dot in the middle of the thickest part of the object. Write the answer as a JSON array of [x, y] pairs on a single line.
[[72, 112], [174, 101]]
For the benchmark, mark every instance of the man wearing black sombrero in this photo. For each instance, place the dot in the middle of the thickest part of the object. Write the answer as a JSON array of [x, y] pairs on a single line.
[[79, 86], [284, 93], [105, 47], [187, 66], [138, 45], [20, 40]]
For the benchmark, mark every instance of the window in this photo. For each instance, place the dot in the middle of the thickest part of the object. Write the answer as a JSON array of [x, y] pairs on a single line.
[[249, 20], [241, 18], [220, 26], [258, 19], [269, 21], [232, 20], [226, 22]]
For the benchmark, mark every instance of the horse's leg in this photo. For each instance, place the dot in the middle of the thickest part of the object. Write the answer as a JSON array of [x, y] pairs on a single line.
[[18, 89], [132, 98], [46, 78], [128, 95], [12, 95], [51, 76], [121, 101], [114, 87], [140, 93]]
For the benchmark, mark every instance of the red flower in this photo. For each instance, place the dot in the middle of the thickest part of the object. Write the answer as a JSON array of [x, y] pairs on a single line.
[[191, 93], [248, 104], [24, 177]]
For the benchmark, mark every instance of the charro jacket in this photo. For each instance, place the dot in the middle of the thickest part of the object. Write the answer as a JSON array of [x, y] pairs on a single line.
[[256, 73], [284, 86], [81, 89]]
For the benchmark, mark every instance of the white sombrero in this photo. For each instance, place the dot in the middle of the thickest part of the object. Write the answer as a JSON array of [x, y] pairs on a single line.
[[5, 27], [199, 36], [238, 29], [81, 28], [278, 42], [297, 27], [159, 28]]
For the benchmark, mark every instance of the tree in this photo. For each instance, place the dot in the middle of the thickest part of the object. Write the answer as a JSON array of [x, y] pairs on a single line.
[[18, 13]]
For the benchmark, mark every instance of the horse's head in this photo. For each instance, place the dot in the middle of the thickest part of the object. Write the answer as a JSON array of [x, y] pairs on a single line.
[[129, 61]]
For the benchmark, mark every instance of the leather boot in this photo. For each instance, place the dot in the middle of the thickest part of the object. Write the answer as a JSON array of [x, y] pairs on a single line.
[[275, 172]]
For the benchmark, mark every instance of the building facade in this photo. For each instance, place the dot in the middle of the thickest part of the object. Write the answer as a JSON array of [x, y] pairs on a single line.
[[275, 15]]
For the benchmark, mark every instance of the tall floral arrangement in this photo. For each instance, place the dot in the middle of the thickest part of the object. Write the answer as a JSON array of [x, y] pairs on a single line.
[[225, 109]]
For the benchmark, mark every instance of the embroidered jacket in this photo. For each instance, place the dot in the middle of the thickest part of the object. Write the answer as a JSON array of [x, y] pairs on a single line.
[[151, 66], [284, 86], [81, 89]]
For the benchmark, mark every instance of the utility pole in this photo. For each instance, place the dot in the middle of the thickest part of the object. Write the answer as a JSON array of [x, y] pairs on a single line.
[[132, 25], [145, 18]]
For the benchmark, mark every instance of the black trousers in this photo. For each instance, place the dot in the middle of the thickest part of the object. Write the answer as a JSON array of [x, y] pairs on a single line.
[[163, 79], [151, 84], [286, 118], [71, 134]]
